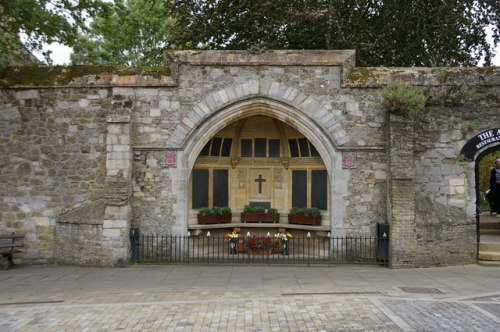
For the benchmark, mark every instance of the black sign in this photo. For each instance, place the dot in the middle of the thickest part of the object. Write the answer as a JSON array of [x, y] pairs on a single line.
[[480, 141]]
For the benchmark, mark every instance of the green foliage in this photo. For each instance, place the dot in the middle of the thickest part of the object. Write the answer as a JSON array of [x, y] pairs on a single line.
[[388, 33], [206, 211], [135, 33], [42, 22], [485, 165], [450, 96], [402, 98], [309, 212], [258, 209]]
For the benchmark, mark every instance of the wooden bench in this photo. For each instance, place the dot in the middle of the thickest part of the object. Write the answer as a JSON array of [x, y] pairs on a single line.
[[7, 244]]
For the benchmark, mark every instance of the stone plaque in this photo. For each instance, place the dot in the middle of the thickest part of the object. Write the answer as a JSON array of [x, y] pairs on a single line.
[[349, 160], [170, 159]]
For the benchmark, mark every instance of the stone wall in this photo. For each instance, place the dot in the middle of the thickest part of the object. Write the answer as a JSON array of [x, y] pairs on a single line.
[[98, 136]]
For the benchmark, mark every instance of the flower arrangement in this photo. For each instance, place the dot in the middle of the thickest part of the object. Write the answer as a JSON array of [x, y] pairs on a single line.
[[283, 237], [257, 243], [233, 237]]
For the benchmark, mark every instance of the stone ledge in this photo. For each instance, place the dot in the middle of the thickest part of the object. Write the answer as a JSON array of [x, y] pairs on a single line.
[[261, 225], [272, 57]]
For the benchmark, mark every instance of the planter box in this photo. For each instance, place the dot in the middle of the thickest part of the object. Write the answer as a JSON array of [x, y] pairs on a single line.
[[260, 217], [304, 220], [214, 219], [261, 252]]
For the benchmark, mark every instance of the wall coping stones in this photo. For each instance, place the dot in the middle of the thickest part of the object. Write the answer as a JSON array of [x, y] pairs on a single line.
[[86, 76]]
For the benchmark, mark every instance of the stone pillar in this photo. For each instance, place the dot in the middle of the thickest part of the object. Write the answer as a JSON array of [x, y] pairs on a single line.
[[401, 192], [117, 214]]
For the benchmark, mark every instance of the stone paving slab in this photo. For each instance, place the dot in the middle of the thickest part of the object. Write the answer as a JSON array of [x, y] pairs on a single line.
[[252, 298]]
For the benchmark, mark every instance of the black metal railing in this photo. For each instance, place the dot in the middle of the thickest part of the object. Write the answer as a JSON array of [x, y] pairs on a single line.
[[166, 249]]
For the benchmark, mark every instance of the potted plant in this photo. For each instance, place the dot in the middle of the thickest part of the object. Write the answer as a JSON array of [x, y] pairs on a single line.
[[259, 214], [259, 245], [234, 238], [214, 215], [281, 246], [304, 216]]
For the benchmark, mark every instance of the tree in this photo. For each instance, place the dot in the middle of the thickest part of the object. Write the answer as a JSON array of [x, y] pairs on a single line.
[[135, 33], [383, 32], [41, 22]]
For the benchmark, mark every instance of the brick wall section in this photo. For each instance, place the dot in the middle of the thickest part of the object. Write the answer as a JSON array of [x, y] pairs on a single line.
[[401, 192]]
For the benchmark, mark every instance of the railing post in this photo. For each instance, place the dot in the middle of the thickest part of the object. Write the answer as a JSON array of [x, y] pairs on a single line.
[[134, 244]]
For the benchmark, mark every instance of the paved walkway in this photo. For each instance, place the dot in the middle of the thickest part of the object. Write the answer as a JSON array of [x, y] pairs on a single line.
[[250, 298]]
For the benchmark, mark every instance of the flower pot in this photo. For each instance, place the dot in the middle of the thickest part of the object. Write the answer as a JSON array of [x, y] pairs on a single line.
[[214, 219], [304, 220], [260, 217]]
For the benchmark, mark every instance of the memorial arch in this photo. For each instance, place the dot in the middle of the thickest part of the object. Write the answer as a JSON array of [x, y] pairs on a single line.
[[261, 152]]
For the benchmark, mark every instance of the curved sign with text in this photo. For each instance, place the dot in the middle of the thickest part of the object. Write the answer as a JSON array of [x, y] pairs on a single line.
[[479, 142]]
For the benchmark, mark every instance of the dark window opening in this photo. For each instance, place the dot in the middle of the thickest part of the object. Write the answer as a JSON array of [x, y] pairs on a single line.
[[260, 147], [299, 188], [200, 188], [246, 147], [206, 149], [304, 147], [319, 185], [220, 187], [274, 148], [226, 147], [294, 147], [216, 144]]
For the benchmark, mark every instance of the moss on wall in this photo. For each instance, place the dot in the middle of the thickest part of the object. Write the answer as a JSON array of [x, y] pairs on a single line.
[[60, 75]]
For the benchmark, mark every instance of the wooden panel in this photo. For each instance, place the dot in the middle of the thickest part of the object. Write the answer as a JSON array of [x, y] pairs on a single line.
[[200, 188], [220, 195], [299, 188], [319, 185]]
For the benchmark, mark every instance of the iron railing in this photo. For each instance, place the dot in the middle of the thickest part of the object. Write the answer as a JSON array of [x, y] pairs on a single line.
[[168, 249]]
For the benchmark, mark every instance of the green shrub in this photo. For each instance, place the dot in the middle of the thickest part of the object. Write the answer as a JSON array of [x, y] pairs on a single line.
[[310, 212], [216, 210], [402, 98], [258, 209]]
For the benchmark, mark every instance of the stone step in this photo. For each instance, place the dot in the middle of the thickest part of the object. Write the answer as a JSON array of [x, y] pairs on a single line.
[[490, 225], [489, 255], [489, 263], [490, 232], [489, 246]]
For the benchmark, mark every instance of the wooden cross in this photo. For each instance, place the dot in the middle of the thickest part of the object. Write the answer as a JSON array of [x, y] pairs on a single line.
[[260, 180]]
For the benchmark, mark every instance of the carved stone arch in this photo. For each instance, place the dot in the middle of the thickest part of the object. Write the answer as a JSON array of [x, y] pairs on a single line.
[[306, 106], [197, 139]]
